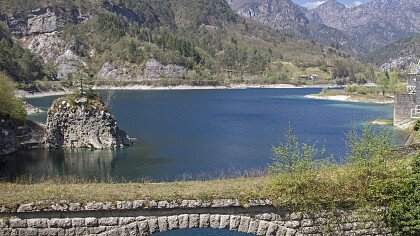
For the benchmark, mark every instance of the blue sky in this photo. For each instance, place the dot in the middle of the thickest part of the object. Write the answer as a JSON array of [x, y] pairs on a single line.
[[313, 3]]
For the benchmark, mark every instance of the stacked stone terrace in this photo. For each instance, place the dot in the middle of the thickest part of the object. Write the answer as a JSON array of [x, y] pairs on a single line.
[[258, 217]]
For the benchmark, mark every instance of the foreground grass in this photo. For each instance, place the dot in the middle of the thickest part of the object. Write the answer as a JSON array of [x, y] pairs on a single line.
[[340, 185], [17, 193]]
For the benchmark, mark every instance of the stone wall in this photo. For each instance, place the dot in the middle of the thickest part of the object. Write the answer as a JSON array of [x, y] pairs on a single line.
[[257, 217], [402, 107]]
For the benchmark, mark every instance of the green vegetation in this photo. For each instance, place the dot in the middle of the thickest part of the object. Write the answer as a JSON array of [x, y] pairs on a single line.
[[19, 63], [371, 175], [218, 46], [9, 104], [404, 213]]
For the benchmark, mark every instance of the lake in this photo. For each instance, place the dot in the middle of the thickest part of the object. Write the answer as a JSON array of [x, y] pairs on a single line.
[[199, 134]]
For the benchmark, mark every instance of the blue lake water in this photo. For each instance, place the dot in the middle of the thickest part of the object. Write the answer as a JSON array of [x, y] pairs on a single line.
[[196, 134]]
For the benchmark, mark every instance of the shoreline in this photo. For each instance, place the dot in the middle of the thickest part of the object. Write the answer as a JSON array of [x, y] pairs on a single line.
[[24, 94], [347, 98]]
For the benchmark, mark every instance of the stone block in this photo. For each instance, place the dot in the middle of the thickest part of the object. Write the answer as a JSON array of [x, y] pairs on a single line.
[[27, 208], [183, 221], [59, 223], [204, 221], [78, 222], [281, 231], [153, 225], [263, 227], [152, 204], [51, 232], [126, 220], [244, 224], [272, 229], [224, 221], [292, 224], [215, 221], [172, 222], [253, 226], [265, 216], [290, 232], [163, 223], [91, 222], [143, 228], [27, 232], [18, 223], [124, 205], [108, 221], [191, 203], [225, 203], [75, 207], [194, 221], [307, 222], [138, 204], [296, 216], [38, 223], [234, 222]]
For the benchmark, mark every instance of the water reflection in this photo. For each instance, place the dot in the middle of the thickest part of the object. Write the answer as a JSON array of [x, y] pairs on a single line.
[[43, 163]]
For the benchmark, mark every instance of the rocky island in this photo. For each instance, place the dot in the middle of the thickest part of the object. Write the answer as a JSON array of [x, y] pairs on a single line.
[[83, 121]]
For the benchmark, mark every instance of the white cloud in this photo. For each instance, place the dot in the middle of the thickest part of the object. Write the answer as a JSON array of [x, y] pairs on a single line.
[[357, 3], [311, 5]]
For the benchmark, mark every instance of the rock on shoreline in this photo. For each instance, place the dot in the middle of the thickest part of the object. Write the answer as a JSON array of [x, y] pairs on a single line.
[[83, 123]]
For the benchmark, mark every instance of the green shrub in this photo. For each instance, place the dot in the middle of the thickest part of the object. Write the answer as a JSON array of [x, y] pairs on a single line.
[[404, 210], [9, 104]]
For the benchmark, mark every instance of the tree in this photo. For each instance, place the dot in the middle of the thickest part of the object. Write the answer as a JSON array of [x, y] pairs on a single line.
[[292, 156], [9, 104], [383, 83], [369, 148], [393, 81]]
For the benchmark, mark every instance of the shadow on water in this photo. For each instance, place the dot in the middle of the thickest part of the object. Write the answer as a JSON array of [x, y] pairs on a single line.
[[198, 134]]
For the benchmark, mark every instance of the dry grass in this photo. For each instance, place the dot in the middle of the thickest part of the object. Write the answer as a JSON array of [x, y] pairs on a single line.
[[243, 188]]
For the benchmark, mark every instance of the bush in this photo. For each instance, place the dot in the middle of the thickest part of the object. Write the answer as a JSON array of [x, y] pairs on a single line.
[[404, 211], [9, 104]]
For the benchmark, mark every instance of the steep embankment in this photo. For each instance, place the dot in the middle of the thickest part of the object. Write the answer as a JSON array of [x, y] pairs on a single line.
[[195, 42]]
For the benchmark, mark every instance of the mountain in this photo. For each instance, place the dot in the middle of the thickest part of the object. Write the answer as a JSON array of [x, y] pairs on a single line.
[[163, 41], [398, 55], [373, 24], [287, 17]]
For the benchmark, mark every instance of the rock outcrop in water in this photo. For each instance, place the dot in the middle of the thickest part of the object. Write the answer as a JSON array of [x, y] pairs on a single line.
[[8, 143], [15, 135], [83, 121]]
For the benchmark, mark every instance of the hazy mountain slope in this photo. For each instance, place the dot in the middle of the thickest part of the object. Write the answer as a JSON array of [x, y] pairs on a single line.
[[373, 24], [397, 55], [285, 16]]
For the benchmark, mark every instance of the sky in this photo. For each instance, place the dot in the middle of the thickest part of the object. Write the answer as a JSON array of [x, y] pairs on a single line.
[[314, 3]]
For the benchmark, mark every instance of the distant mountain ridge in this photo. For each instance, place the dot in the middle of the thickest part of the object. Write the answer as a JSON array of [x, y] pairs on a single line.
[[359, 29], [398, 55], [373, 24], [290, 18]]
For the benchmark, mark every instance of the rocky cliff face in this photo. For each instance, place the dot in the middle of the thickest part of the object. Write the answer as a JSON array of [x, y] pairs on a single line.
[[373, 24], [83, 122], [46, 20], [8, 142], [15, 135], [152, 70]]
